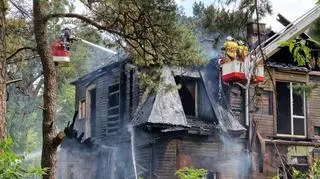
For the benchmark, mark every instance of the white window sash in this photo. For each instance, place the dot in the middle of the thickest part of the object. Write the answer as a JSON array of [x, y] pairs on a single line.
[[292, 116], [297, 116]]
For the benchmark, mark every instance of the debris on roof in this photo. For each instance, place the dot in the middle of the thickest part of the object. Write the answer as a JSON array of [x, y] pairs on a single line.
[[284, 66]]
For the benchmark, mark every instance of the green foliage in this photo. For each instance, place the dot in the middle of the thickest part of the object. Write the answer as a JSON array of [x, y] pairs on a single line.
[[191, 173], [11, 165], [313, 172], [299, 49], [150, 32], [217, 18], [198, 8], [182, 53], [301, 89], [296, 174], [22, 107]]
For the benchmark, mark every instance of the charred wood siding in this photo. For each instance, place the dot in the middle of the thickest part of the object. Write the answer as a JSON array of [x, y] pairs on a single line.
[[80, 95], [264, 124], [199, 153], [236, 100], [101, 82], [262, 99], [263, 113], [103, 118], [131, 93], [165, 159], [221, 158], [144, 161]]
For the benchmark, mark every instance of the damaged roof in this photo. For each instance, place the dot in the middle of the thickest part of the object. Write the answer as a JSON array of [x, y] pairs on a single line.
[[98, 72], [166, 108], [284, 66], [162, 107]]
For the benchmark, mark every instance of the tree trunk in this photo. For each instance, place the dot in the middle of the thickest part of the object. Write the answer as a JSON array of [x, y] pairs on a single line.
[[3, 86], [49, 146]]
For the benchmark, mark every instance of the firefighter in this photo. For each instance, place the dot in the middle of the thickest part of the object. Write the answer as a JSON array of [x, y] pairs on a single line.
[[230, 47], [242, 51], [65, 38]]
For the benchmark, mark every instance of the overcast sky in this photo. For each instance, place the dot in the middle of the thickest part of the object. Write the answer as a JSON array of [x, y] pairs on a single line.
[[291, 9]]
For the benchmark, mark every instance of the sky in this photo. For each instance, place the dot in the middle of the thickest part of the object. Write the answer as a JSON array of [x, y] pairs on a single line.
[[291, 9]]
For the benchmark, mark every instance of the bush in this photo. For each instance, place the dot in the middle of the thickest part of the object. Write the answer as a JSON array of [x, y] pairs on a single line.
[[191, 173], [11, 165]]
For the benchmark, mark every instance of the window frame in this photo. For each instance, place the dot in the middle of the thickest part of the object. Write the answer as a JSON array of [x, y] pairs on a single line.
[[82, 108], [112, 123], [292, 116], [195, 81]]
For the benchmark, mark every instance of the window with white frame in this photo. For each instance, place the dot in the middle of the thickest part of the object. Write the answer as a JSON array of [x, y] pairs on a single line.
[[291, 112]]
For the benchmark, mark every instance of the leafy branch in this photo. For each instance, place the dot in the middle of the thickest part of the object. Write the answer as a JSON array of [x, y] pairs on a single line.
[[300, 51], [191, 173], [11, 164]]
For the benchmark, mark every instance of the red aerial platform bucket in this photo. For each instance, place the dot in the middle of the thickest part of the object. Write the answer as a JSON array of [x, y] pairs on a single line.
[[232, 71], [258, 75], [59, 53]]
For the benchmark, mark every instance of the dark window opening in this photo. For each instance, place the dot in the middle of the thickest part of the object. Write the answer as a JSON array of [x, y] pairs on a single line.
[[112, 130], [113, 100], [113, 88], [270, 101], [113, 118], [297, 101], [187, 94], [290, 109], [283, 108], [113, 111], [317, 130], [93, 111]]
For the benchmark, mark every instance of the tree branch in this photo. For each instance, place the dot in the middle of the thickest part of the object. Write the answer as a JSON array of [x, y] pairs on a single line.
[[19, 50], [83, 18], [58, 139], [23, 11], [13, 81]]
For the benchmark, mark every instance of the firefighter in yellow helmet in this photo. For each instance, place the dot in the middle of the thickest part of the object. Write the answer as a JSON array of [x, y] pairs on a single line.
[[230, 48], [242, 51]]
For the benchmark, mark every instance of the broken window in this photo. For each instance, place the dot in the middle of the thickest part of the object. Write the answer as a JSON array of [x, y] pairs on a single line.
[[93, 108], [82, 109], [317, 130], [291, 120], [188, 95], [113, 117]]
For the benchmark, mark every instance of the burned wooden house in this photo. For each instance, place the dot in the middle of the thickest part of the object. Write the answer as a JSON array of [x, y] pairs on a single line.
[[202, 124], [169, 130]]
